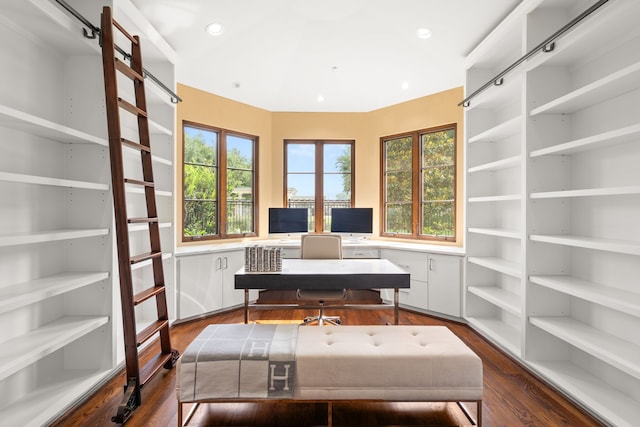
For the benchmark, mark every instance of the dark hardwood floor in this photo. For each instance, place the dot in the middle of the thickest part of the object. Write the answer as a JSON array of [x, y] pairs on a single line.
[[512, 396]]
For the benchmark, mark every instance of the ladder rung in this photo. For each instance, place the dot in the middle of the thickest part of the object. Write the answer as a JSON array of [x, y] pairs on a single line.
[[135, 145], [153, 366], [142, 220], [128, 71], [150, 331], [131, 108], [145, 256], [138, 182], [140, 297]]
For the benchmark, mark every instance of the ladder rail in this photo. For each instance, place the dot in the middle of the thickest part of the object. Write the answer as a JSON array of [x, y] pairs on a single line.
[[119, 195]]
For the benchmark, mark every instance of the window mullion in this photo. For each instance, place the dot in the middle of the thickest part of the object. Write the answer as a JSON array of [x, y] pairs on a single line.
[[285, 175], [417, 184], [319, 187], [222, 184]]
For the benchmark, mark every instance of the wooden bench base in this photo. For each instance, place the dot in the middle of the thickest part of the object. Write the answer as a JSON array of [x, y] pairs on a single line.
[[184, 420]]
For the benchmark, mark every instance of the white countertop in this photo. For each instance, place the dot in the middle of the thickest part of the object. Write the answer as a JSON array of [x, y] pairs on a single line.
[[293, 244]]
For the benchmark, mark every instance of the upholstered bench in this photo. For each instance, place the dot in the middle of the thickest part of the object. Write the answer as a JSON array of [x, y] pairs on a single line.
[[328, 363]]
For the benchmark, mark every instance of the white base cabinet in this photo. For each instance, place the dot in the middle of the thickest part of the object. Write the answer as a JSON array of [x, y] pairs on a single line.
[[206, 279], [206, 283], [435, 281], [553, 200]]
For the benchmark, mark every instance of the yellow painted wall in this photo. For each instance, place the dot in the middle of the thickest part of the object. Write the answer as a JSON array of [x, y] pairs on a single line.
[[213, 110], [345, 126], [365, 128]]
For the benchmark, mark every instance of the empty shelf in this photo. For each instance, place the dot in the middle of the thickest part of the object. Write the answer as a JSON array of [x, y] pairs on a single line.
[[50, 236], [612, 350], [498, 297], [619, 246], [21, 294], [28, 348], [618, 299], [497, 264]]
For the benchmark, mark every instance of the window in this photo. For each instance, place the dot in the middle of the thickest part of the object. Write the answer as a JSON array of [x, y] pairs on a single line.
[[418, 184], [218, 162], [323, 168]]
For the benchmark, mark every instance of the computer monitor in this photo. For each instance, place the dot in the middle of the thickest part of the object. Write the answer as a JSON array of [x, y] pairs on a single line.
[[352, 222], [288, 221]]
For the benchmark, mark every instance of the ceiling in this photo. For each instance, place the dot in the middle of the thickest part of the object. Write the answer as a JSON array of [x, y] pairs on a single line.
[[281, 55]]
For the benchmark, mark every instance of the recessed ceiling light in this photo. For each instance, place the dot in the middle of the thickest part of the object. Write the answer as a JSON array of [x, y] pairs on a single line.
[[214, 29], [423, 33], [404, 85]]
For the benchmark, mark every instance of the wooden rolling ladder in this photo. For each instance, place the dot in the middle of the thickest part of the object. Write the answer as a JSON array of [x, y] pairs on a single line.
[[137, 376]]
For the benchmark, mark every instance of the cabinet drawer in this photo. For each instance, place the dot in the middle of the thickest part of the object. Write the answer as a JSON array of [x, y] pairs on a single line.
[[415, 263], [290, 252], [350, 252]]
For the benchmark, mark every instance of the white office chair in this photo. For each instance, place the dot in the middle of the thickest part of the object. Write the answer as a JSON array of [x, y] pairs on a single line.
[[321, 246]]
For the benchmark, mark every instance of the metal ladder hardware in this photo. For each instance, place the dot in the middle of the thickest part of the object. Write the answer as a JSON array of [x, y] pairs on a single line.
[[137, 375]]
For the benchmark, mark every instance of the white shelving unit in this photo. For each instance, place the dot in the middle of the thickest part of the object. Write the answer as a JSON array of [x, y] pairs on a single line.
[[57, 263], [494, 152], [574, 302]]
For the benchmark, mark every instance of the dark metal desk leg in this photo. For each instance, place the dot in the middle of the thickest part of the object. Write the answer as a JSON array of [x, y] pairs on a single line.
[[396, 299], [246, 306]]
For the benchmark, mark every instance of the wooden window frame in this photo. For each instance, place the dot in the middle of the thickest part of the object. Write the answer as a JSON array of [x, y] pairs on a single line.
[[318, 174], [416, 180], [221, 205]]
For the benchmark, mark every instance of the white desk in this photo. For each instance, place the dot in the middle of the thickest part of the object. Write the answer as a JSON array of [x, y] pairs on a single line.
[[325, 274]]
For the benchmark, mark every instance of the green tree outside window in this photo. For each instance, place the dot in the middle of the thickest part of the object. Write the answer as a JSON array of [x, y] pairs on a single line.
[[203, 179], [418, 184]]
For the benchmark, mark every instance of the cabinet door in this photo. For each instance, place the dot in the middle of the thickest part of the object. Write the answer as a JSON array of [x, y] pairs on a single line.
[[229, 263], [444, 284], [200, 289], [416, 296]]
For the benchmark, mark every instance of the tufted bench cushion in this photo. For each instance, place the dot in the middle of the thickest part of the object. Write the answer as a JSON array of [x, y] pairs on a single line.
[[403, 363]]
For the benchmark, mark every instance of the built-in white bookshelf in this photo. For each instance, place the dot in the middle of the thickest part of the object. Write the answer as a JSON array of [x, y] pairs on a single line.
[[494, 239], [572, 297], [59, 287]]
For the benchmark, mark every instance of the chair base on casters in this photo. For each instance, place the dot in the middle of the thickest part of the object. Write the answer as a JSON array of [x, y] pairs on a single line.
[[321, 296], [321, 319]]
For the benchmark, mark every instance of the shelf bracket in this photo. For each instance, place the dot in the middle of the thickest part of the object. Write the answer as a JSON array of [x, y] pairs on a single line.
[[550, 47]]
